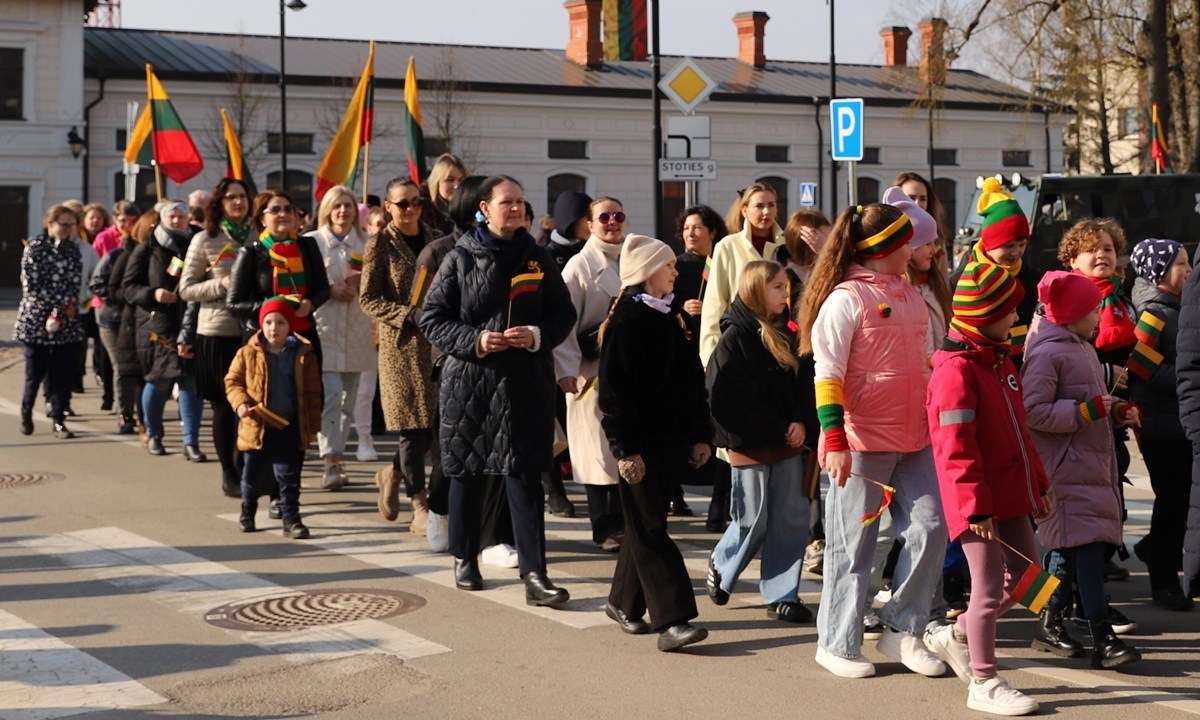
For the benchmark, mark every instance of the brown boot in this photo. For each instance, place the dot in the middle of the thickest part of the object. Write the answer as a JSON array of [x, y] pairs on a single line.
[[389, 492], [142, 438], [420, 518]]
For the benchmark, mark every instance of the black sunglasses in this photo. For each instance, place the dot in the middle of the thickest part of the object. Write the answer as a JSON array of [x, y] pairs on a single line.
[[406, 204], [617, 217], [279, 209]]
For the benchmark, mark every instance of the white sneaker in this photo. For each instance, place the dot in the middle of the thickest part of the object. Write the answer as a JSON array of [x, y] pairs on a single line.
[[909, 650], [332, 479], [945, 643], [502, 555], [997, 697], [872, 626], [437, 532], [366, 449], [857, 667]]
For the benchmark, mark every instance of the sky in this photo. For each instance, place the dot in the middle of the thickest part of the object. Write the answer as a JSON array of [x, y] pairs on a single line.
[[797, 30]]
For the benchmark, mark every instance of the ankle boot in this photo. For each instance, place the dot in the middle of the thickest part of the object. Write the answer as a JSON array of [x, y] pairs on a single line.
[[539, 591], [557, 501], [1052, 637], [249, 510], [466, 574], [293, 528], [1108, 650]]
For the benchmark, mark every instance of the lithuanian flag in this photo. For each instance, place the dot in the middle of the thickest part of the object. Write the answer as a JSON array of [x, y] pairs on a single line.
[[1016, 339], [522, 284], [341, 159], [414, 131], [1158, 143], [1035, 588], [175, 269], [273, 419], [421, 286], [625, 30], [1149, 327], [707, 268], [1143, 361], [160, 127], [235, 163]]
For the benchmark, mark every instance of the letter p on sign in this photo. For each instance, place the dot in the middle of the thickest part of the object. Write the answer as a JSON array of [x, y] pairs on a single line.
[[846, 129]]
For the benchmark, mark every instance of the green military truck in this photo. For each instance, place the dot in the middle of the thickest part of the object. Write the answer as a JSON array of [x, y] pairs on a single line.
[[1159, 206]]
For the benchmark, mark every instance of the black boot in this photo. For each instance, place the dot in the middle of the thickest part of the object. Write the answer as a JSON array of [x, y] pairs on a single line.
[[26, 421], [557, 501], [1108, 650], [1052, 637], [231, 485], [540, 591], [127, 425], [293, 528], [466, 574], [249, 510]]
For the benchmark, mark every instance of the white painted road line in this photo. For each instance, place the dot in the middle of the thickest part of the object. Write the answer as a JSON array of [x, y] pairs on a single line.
[[192, 586], [1110, 682], [42, 677]]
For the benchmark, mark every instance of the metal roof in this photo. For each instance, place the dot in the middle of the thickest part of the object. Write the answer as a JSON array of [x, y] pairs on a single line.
[[123, 53]]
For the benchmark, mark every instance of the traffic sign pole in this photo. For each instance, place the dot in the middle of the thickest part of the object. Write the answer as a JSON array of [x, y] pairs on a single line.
[[853, 180], [656, 103]]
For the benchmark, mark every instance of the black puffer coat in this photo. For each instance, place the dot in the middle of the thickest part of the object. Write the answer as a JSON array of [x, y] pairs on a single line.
[[497, 411], [1158, 398], [251, 282], [161, 327], [651, 382], [753, 399], [127, 359], [1187, 381]]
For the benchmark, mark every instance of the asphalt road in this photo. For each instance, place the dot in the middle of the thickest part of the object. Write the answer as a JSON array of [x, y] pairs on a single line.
[[118, 572]]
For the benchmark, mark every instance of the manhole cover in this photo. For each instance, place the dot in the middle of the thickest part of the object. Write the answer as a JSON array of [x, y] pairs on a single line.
[[329, 607], [21, 479]]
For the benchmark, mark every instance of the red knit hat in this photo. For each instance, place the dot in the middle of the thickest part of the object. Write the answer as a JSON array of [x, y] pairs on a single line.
[[1067, 297], [286, 306], [1003, 219]]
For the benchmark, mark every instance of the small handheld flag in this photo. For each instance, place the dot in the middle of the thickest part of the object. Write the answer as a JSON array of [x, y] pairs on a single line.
[[588, 386], [521, 284], [226, 253], [1149, 328], [1016, 339], [704, 275], [1035, 588], [1143, 361], [175, 269], [421, 287], [356, 261], [888, 492], [276, 421]]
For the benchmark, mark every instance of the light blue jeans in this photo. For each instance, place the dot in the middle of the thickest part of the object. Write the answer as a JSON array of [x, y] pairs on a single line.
[[154, 400], [770, 511], [850, 548], [337, 414]]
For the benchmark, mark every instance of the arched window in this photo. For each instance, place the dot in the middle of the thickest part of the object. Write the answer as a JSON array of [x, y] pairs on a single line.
[[781, 185], [560, 183], [868, 190], [947, 193], [299, 186]]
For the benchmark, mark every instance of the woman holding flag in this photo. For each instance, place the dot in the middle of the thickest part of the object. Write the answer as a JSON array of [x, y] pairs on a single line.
[[497, 308], [205, 280], [166, 329]]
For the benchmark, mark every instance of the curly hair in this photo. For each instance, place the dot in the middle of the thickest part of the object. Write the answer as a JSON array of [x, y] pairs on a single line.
[[710, 218], [1084, 236], [214, 212]]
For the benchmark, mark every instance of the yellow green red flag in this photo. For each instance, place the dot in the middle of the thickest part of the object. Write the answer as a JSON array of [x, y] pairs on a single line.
[[341, 159], [160, 128], [235, 163], [414, 130]]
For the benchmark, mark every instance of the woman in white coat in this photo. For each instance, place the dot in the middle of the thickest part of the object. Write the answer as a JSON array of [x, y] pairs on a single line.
[[593, 278], [344, 329]]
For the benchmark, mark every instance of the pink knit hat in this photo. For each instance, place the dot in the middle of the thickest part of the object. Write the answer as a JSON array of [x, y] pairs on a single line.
[[1067, 297], [924, 226]]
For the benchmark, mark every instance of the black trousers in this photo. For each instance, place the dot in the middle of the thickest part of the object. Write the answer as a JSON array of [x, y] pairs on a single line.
[[224, 437], [650, 573], [526, 502], [55, 364], [409, 460], [604, 510], [1169, 462]]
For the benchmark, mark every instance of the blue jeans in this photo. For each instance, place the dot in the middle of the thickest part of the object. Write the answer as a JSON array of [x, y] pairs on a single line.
[[770, 511], [1084, 565], [154, 399], [279, 456], [850, 548]]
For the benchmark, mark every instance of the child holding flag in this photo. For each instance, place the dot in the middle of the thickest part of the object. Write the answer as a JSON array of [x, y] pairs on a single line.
[[274, 385], [1068, 407], [866, 327], [1162, 267], [977, 422]]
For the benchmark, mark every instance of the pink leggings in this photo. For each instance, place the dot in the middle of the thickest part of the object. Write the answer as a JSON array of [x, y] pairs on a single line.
[[995, 571]]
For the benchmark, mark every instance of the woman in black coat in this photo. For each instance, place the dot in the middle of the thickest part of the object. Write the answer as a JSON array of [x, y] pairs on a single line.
[[496, 399], [129, 365], [655, 416], [254, 279], [165, 329]]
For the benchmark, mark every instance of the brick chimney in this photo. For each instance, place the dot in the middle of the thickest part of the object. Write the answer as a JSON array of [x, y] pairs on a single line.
[[750, 27], [895, 45], [933, 50], [583, 45]]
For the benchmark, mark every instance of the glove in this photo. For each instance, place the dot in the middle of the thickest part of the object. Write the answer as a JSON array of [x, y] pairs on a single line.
[[632, 469]]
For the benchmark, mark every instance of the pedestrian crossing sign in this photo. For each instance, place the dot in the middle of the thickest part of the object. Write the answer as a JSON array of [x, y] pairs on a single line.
[[808, 194]]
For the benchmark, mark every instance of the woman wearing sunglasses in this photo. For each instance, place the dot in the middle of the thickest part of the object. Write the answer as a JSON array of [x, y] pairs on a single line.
[[593, 278], [277, 262], [406, 389]]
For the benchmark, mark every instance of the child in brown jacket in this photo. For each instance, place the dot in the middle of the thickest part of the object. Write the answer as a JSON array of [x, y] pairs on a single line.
[[274, 385]]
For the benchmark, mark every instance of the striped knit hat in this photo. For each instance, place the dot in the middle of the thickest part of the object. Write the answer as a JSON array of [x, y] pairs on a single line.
[[887, 241], [1003, 219], [985, 294]]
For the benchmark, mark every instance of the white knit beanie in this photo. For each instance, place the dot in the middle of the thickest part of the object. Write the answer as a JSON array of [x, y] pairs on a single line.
[[641, 257]]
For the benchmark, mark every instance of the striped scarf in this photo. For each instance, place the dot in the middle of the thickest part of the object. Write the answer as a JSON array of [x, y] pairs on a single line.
[[287, 264], [237, 231], [1116, 329], [979, 256]]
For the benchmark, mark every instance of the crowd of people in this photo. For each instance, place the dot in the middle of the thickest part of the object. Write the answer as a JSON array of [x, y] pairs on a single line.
[[963, 417]]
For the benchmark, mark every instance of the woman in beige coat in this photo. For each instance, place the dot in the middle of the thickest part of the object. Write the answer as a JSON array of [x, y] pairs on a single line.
[[345, 330], [405, 356], [593, 278]]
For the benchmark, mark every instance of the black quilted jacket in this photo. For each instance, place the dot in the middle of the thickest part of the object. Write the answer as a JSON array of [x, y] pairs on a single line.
[[497, 412], [1187, 381]]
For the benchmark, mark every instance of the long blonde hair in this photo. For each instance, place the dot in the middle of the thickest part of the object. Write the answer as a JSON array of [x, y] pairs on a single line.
[[752, 291], [835, 258], [734, 221], [331, 198]]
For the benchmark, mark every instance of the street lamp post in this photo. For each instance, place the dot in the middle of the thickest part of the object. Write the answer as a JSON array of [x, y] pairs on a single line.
[[833, 166], [283, 134]]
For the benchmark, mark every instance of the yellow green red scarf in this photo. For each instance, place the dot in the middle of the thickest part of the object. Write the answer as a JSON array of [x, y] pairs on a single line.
[[287, 263]]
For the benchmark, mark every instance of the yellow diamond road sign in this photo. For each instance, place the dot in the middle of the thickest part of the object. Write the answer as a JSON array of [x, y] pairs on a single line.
[[687, 86]]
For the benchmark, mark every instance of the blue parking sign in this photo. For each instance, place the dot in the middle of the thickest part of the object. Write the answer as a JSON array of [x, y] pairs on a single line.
[[846, 129]]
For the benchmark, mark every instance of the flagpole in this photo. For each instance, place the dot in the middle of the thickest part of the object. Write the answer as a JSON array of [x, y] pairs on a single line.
[[158, 180], [366, 171]]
